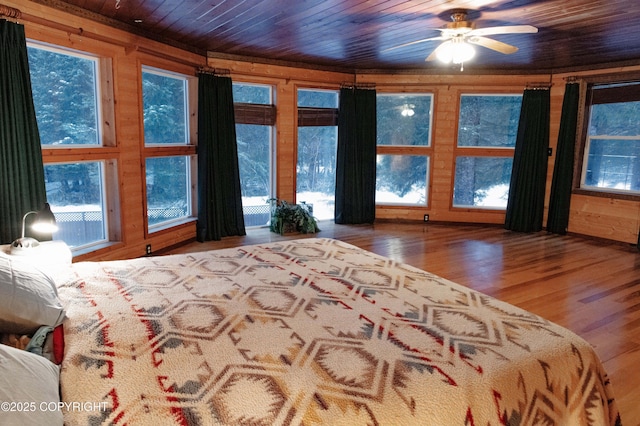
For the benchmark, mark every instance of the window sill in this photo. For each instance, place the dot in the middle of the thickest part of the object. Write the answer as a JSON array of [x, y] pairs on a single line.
[[606, 194], [172, 224]]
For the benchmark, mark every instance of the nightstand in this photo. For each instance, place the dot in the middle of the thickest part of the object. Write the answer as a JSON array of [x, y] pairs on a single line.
[[47, 252]]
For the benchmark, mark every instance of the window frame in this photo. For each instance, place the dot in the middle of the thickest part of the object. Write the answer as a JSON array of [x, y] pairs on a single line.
[[313, 116], [258, 114], [477, 151], [105, 151], [157, 150], [427, 151], [582, 131]]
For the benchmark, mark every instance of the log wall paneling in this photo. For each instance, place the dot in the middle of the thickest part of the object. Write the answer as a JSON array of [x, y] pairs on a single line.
[[594, 216]]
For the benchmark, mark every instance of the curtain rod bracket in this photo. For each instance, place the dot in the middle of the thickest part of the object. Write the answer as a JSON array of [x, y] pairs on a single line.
[[538, 85], [9, 12]]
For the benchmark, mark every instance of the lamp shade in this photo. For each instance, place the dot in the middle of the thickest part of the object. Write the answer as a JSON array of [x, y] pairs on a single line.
[[44, 221]]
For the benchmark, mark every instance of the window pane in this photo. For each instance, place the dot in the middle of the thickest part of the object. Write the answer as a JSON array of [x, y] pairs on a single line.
[[254, 159], [404, 119], [317, 98], [168, 193], [65, 97], [613, 147], [616, 119], [316, 169], [402, 179], [164, 99], [76, 194], [482, 182], [613, 164], [488, 120], [252, 93]]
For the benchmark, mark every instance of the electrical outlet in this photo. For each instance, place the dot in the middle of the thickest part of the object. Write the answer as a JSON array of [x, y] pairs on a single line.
[[426, 218], [148, 248]]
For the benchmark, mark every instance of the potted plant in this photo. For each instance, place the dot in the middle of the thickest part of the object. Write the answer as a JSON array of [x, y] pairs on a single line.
[[286, 217]]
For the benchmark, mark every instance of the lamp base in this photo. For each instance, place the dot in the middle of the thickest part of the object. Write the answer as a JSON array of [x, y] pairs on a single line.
[[23, 245]]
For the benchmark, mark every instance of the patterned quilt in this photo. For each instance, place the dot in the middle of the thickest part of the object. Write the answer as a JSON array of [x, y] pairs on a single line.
[[312, 331]]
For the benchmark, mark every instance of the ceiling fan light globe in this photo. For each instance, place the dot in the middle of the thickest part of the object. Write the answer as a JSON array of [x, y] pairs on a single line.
[[462, 52], [457, 51], [444, 56]]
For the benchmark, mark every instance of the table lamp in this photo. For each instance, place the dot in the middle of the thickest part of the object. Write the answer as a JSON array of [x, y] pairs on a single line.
[[44, 221]]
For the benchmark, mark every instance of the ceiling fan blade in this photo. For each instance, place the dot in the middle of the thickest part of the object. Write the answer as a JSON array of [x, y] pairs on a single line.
[[493, 44], [415, 42], [435, 52], [508, 29]]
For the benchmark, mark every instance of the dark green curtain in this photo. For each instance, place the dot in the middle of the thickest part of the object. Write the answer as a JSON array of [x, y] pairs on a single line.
[[525, 207], [219, 194], [559, 202], [356, 157], [22, 186]]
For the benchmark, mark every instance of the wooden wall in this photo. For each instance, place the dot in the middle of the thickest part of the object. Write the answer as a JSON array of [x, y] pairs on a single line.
[[594, 216]]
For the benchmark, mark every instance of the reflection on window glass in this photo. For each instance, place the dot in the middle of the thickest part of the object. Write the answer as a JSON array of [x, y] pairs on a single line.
[[168, 193], [252, 94], [254, 160], [65, 96], [75, 192], [488, 120], [402, 179], [317, 98], [482, 182], [164, 98], [316, 169], [404, 119], [613, 147]]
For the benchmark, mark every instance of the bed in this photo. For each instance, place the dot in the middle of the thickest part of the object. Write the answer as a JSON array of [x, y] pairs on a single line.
[[311, 331]]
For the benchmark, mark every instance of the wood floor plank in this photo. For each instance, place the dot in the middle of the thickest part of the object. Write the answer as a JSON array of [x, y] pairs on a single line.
[[591, 287]]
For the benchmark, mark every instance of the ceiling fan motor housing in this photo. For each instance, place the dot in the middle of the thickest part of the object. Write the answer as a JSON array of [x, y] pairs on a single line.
[[459, 23]]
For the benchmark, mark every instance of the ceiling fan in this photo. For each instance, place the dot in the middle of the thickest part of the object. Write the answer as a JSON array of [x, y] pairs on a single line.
[[460, 34]]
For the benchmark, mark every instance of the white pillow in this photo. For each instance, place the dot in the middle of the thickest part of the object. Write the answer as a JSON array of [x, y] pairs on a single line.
[[29, 387], [28, 297]]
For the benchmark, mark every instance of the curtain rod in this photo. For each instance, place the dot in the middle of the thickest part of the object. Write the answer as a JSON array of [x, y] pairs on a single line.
[[214, 71], [348, 85], [9, 12]]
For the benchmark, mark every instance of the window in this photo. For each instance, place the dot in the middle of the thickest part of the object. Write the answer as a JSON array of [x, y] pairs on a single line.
[[482, 181], [487, 130], [404, 148], [76, 194], [317, 147], [168, 189], [402, 179], [65, 96], [612, 142], [255, 121], [80, 181], [404, 119], [167, 131]]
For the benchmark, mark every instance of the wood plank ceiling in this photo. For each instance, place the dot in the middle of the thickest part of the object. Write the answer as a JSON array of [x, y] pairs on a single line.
[[352, 35]]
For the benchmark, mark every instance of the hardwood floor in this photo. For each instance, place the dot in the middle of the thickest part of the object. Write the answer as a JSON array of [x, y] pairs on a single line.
[[591, 287]]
